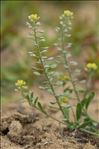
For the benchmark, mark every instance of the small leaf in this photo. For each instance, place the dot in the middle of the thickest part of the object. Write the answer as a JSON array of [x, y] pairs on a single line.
[[53, 66], [50, 58], [30, 97], [89, 99], [44, 57], [47, 66], [68, 90], [50, 91], [52, 103], [84, 124], [34, 68], [44, 51], [81, 90], [40, 107], [66, 111], [78, 111], [31, 94], [36, 73], [73, 63], [35, 101], [65, 66], [41, 87]]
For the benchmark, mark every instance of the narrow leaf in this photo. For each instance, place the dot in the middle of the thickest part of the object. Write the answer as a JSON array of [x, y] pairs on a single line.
[[89, 98], [40, 107], [78, 111], [36, 73], [66, 112], [35, 101]]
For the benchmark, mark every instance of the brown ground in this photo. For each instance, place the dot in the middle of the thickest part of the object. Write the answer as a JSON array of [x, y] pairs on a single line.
[[24, 128], [34, 132]]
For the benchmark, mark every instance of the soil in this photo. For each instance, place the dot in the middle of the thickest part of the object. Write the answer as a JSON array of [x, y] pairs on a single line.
[[24, 128]]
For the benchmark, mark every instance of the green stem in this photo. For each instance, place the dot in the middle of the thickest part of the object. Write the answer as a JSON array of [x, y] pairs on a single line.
[[87, 89], [48, 115], [50, 84], [69, 68], [87, 131], [70, 74]]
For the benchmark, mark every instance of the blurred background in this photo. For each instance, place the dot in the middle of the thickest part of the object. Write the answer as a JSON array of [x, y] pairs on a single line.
[[15, 44]]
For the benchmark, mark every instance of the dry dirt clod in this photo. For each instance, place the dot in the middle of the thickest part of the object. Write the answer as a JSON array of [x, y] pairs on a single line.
[[89, 146], [7, 144], [15, 129], [22, 131], [5, 122], [29, 118]]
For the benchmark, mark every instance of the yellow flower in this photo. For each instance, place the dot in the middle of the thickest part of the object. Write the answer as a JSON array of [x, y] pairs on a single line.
[[63, 100], [64, 77], [91, 66], [33, 17], [68, 13], [20, 84]]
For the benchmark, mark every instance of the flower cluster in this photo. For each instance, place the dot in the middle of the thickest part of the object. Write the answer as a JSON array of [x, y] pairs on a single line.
[[68, 13], [33, 17], [21, 84], [64, 77], [91, 66], [63, 100]]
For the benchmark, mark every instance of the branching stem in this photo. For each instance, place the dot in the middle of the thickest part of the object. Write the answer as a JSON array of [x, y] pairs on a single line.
[[49, 115]]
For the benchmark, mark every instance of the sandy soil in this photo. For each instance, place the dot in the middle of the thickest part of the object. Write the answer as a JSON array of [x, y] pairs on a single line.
[[23, 127], [20, 131]]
